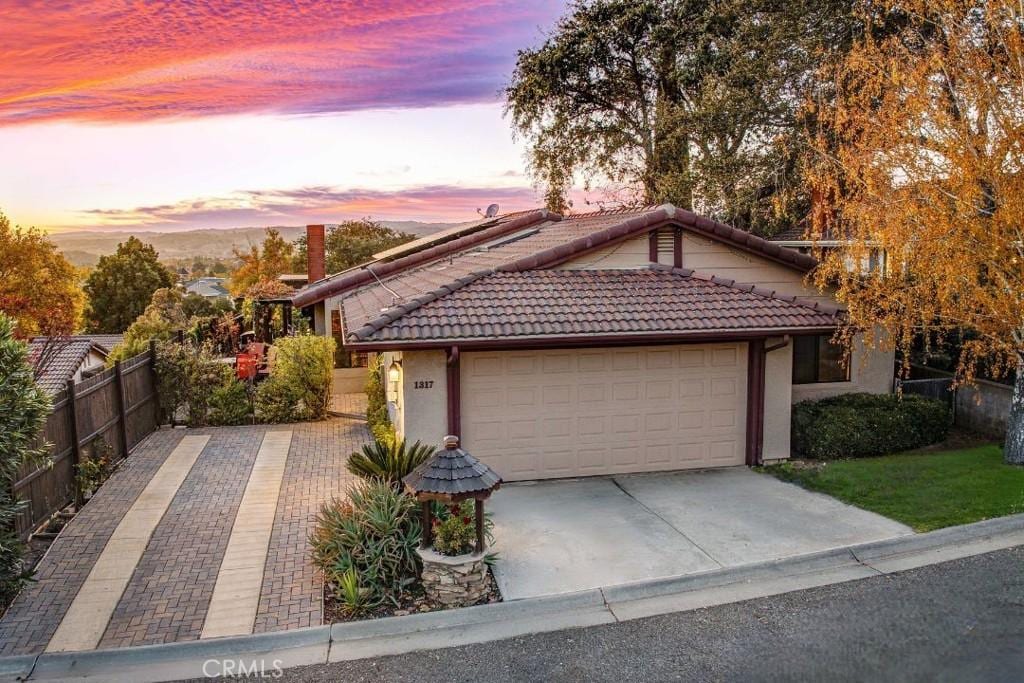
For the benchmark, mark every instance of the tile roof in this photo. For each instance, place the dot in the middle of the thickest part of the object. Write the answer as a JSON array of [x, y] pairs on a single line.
[[796, 233], [62, 362], [531, 240], [541, 245], [105, 341], [547, 304]]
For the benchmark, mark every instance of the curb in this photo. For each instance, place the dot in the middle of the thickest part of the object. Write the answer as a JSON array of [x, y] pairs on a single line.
[[270, 652]]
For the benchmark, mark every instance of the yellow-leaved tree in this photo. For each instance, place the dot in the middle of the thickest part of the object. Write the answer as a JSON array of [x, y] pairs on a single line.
[[261, 263], [39, 288], [919, 150]]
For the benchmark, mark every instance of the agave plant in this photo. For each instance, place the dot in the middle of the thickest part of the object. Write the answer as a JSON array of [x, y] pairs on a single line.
[[388, 460], [365, 544]]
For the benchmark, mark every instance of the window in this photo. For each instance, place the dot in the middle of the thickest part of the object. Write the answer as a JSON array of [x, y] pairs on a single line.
[[817, 359]]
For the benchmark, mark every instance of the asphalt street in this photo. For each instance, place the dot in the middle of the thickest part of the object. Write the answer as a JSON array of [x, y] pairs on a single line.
[[958, 621]]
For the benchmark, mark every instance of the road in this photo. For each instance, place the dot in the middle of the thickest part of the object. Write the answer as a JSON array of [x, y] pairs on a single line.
[[958, 621]]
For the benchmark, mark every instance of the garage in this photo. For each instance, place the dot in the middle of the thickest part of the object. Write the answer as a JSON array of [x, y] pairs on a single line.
[[581, 412]]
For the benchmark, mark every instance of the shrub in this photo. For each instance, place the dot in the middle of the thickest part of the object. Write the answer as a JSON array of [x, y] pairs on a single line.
[[377, 418], [299, 387], [96, 467], [229, 404], [187, 378], [863, 425], [456, 534], [23, 411], [389, 460], [454, 529], [373, 534], [277, 400]]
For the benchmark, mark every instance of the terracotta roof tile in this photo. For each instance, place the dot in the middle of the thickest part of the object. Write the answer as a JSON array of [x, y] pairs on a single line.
[[556, 303], [63, 360], [531, 240]]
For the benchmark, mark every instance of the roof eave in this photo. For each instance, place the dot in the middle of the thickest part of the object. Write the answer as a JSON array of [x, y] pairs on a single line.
[[610, 339]]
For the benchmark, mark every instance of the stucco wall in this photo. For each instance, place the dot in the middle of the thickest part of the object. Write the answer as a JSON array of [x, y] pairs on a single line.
[[631, 253], [710, 256], [320, 319], [423, 403], [871, 372], [705, 255], [778, 400]]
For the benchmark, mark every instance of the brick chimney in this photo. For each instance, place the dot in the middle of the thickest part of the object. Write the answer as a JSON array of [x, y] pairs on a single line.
[[315, 265]]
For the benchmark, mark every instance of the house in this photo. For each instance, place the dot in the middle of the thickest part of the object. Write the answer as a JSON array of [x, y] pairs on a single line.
[[208, 288], [600, 343], [798, 238], [55, 360]]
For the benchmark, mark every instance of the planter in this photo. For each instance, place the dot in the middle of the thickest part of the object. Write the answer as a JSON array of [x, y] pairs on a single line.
[[454, 581]]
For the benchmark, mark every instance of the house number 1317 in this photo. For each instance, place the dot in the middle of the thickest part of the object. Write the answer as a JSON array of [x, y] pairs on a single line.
[[423, 384]]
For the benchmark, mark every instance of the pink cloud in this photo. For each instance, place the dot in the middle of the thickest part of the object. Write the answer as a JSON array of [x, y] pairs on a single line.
[[444, 203], [117, 60]]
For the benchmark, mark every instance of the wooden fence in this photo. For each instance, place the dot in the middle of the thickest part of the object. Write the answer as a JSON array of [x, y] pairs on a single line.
[[118, 406]]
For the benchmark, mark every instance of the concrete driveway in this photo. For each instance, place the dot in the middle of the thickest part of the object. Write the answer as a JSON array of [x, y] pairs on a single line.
[[562, 536]]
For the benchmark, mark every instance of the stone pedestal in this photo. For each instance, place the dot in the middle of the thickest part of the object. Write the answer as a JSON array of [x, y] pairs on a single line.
[[454, 581]]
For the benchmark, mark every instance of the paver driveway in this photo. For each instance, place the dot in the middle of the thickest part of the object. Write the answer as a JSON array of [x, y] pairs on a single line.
[[164, 550], [562, 536]]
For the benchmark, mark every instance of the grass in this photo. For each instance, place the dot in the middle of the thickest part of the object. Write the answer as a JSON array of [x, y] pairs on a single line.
[[923, 490]]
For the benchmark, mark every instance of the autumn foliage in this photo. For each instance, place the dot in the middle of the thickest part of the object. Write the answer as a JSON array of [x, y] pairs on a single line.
[[38, 287], [919, 151]]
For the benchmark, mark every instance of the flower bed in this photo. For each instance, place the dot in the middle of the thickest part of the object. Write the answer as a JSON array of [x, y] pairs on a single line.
[[367, 545]]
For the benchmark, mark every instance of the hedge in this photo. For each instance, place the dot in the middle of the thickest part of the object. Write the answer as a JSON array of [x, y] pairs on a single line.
[[864, 425]]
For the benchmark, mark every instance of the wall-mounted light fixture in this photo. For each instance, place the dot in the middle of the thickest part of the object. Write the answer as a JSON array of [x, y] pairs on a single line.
[[394, 371]]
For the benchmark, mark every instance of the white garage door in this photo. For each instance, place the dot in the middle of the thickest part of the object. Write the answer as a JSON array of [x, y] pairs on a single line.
[[579, 412]]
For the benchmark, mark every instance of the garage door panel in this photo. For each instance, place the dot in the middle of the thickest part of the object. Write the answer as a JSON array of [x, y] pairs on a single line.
[[564, 413]]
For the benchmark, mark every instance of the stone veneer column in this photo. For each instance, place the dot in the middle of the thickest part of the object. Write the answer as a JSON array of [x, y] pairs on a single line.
[[454, 581]]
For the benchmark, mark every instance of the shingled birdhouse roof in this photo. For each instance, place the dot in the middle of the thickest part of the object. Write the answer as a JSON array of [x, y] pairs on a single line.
[[452, 474]]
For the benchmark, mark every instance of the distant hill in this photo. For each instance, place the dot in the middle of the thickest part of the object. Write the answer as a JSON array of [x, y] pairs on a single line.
[[84, 248]]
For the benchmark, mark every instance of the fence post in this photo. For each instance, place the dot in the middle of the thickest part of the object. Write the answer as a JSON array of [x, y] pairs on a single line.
[[152, 375], [122, 410], [76, 445]]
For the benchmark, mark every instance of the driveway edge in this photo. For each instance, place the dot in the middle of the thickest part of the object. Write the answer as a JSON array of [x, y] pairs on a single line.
[[395, 635]]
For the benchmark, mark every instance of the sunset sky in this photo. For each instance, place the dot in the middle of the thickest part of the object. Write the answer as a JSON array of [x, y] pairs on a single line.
[[184, 114]]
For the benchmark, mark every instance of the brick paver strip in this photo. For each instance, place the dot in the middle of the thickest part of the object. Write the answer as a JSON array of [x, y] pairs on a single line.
[[236, 595], [85, 621], [32, 618], [292, 587], [166, 599]]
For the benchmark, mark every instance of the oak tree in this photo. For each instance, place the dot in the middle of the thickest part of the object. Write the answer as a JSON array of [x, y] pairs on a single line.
[[352, 243], [686, 101], [122, 284]]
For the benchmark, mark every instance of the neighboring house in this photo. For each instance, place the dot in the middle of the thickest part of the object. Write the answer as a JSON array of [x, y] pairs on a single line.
[[798, 239], [294, 280], [58, 359], [600, 343], [208, 287]]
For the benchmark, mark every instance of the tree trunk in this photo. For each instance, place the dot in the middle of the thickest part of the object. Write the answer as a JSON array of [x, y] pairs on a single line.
[[1013, 453]]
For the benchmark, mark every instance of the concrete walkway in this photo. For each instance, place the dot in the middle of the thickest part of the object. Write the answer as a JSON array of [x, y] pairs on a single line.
[[200, 532], [572, 535]]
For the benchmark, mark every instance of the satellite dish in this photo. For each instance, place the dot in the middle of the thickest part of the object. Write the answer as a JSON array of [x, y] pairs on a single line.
[[491, 211]]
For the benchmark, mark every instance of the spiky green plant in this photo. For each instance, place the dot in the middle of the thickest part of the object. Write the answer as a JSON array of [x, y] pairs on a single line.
[[388, 460], [372, 532]]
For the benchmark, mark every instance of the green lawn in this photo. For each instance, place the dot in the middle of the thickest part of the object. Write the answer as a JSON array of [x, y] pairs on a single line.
[[923, 490]]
